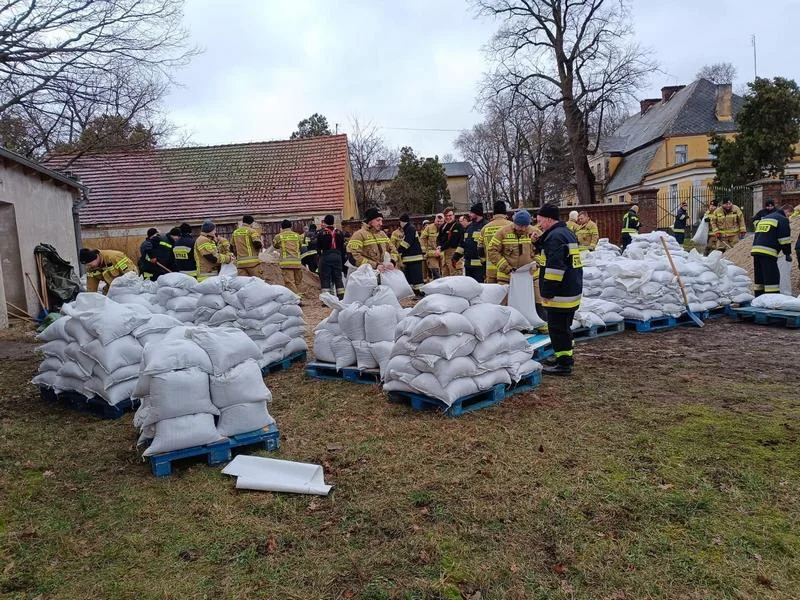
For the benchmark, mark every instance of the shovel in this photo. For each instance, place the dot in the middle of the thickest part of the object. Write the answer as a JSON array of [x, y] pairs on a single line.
[[692, 316]]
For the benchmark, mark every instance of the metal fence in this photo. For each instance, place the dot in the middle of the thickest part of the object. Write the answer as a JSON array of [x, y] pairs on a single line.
[[698, 199]]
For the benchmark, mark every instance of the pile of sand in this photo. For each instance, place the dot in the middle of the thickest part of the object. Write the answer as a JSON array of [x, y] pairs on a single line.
[[740, 255]]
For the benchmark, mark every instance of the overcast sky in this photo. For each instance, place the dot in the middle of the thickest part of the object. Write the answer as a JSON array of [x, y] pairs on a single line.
[[415, 65]]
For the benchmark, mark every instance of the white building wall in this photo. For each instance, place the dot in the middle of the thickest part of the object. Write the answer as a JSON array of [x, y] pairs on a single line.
[[32, 211]]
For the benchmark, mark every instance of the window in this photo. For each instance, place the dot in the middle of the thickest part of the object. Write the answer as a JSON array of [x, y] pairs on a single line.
[[681, 154]]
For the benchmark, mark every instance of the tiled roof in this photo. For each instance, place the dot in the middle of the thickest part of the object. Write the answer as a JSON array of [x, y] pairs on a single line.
[[195, 183], [389, 172]]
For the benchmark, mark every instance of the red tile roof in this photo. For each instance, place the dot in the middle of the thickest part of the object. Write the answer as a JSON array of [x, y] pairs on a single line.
[[194, 183]]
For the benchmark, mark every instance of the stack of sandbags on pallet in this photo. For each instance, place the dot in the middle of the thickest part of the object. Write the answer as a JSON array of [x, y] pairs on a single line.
[[642, 284], [269, 314], [456, 342], [360, 329], [94, 349], [194, 375]]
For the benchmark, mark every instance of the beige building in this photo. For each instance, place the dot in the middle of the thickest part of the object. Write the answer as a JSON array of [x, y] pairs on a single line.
[[458, 175], [37, 205]]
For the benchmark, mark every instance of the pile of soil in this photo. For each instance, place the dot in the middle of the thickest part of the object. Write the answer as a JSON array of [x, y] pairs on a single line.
[[740, 255]]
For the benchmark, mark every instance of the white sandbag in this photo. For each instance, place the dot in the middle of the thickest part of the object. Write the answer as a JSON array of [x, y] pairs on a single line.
[[243, 383], [183, 432], [213, 301], [785, 270], [360, 284], [379, 323], [447, 324], [212, 285], [772, 301], [457, 285], [111, 322], [323, 346], [74, 353], [521, 295], [177, 280], [156, 323], [486, 381], [343, 351], [437, 304], [448, 370], [55, 331], [449, 346], [173, 354], [113, 394], [364, 357], [225, 346], [121, 352], [493, 293], [700, 237], [351, 320], [487, 319], [243, 418], [55, 348], [298, 344], [397, 282]]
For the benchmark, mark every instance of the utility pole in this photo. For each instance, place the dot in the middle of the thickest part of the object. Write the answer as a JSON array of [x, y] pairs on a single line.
[[755, 62]]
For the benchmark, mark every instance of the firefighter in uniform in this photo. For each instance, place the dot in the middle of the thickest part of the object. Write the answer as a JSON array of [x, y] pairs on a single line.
[[630, 225], [246, 245], [773, 236], [561, 284], [433, 258], [679, 226], [331, 248], [308, 257], [210, 252], [586, 232], [499, 220], [471, 249], [512, 246], [369, 245], [104, 265], [158, 253], [727, 225], [410, 252], [448, 242], [289, 243], [183, 251]]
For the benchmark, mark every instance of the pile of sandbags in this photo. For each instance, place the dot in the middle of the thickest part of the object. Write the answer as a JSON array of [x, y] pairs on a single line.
[[270, 315], [95, 349], [198, 386], [360, 329], [456, 342], [643, 287]]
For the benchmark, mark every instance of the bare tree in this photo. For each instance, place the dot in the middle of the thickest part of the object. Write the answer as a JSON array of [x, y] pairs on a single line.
[[367, 151], [64, 63], [719, 73], [568, 53]]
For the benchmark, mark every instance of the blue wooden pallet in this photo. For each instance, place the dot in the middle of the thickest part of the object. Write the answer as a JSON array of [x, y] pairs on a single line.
[[217, 453], [328, 371], [767, 316], [541, 352], [268, 438], [471, 403], [657, 324], [284, 364], [583, 334], [93, 406]]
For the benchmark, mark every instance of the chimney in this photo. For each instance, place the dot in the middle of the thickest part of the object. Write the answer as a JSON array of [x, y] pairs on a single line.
[[669, 91], [724, 108], [645, 105]]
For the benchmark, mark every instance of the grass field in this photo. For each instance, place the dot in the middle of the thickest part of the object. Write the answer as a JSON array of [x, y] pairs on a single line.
[[668, 467]]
